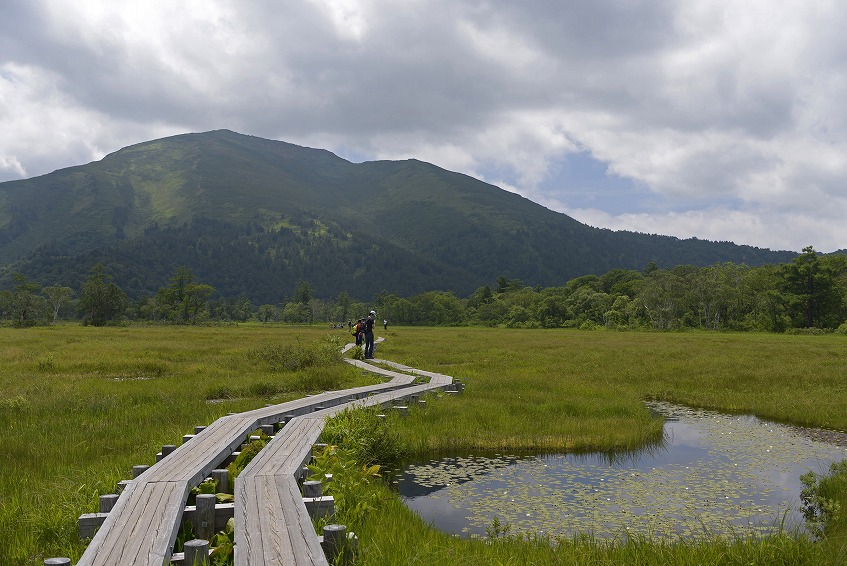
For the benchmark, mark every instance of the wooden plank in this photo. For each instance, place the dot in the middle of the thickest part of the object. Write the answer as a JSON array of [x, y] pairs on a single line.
[[137, 536], [273, 529], [272, 524], [304, 539], [198, 458], [294, 440], [248, 539], [261, 534], [279, 547], [439, 378]]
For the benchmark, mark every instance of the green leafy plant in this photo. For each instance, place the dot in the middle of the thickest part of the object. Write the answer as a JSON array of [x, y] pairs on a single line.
[[357, 353], [247, 454], [370, 437], [497, 529], [208, 486], [820, 495], [186, 533], [223, 545], [350, 482]]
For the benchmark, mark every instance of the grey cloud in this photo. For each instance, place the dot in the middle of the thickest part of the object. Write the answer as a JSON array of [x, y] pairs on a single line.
[[674, 96]]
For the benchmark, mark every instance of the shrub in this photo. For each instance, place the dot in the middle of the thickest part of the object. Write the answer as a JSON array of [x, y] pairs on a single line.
[[822, 497], [320, 379]]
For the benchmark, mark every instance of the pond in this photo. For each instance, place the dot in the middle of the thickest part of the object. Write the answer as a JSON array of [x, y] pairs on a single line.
[[713, 474]]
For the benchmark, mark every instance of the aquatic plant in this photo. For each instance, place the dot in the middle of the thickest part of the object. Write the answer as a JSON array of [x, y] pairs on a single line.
[[822, 497]]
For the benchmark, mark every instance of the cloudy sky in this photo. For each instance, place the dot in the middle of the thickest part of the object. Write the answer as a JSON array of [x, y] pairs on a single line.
[[720, 119]]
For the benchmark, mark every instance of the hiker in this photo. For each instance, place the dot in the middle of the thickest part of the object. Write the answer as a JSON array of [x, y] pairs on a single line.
[[369, 336], [385, 324], [358, 330]]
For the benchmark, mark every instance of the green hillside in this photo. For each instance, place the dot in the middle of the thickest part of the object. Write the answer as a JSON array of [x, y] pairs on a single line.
[[255, 216]]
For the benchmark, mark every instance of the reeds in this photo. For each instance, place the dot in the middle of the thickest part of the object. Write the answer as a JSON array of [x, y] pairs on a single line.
[[79, 406]]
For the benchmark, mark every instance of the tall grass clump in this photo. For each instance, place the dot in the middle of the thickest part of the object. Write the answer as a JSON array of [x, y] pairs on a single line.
[[297, 356], [373, 440], [361, 445]]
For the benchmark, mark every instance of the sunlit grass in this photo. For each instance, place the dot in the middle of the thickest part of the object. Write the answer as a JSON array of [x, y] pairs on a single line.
[[567, 389], [80, 406]]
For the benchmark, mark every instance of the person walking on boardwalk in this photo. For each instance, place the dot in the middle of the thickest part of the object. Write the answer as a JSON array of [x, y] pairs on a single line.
[[359, 331], [369, 336]]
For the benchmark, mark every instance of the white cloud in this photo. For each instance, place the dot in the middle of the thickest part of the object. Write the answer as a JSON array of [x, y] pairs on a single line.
[[779, 230], [721, 106]]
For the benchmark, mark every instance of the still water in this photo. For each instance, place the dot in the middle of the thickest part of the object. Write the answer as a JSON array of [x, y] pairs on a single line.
[[712, 474]]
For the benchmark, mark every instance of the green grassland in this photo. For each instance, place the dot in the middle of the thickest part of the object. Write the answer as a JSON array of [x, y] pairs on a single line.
[[80, 406]]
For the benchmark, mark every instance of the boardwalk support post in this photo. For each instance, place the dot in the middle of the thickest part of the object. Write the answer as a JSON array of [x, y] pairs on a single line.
[[107, 502], [204, 516], [221, 475], [335, 542], [312, 488], [196, 553]]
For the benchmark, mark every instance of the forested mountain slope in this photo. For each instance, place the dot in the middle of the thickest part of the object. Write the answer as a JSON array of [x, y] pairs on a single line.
[[253, 216]]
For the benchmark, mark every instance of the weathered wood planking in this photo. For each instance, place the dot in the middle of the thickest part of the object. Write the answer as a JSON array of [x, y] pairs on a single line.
[[143, 525], [260, 517], [275, 528], [145, 537], [434, 378]]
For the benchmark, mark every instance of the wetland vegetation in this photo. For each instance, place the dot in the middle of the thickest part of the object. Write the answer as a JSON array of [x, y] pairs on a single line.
[[712, 474], [79, 406]]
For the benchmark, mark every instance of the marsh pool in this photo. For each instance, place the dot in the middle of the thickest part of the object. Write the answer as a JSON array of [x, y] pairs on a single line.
[[713, 474]]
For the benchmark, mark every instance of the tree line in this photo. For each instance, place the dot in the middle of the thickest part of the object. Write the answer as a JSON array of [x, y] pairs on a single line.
[[810, 292]]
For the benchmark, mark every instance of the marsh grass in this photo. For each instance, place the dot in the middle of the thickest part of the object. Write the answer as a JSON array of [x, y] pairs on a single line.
[[551, 390], [557, 390], [79, 406]]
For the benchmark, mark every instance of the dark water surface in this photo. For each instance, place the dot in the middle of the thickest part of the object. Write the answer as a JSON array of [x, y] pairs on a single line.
[[713, 473]]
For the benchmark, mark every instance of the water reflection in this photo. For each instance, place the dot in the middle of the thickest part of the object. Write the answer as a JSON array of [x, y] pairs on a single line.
[[712, 473]]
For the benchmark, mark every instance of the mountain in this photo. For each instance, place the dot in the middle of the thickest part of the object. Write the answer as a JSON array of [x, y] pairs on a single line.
[[254, 216]]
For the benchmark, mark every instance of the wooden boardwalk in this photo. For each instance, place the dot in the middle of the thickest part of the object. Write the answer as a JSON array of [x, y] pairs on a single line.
[[272, 523]]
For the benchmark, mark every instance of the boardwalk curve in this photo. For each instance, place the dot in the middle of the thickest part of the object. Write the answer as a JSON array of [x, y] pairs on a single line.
[[272, 523]]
